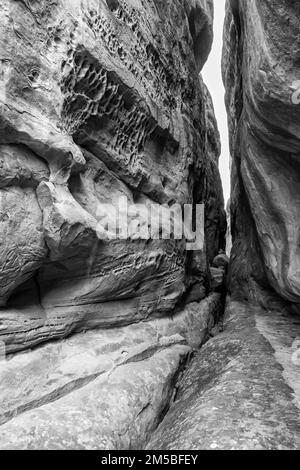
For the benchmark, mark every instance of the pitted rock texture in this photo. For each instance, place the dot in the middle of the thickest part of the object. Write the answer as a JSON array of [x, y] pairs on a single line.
[[261, 70], [100, 100]]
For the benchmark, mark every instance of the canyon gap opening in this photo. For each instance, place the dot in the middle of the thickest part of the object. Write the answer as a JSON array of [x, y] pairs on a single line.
[[212, 75]]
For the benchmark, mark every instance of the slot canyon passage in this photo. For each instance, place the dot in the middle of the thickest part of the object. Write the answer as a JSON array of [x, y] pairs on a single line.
[[139, 343]]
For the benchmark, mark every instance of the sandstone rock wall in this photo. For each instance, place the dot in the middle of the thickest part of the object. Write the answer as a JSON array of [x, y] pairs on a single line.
[[261, 69], [101, 100], [242, 390]]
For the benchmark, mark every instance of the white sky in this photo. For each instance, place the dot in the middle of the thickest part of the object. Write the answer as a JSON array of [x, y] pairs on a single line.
[[213, 79]]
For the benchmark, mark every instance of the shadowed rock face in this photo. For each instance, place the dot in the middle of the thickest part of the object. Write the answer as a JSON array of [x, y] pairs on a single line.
[[261, 69], [101, 100]]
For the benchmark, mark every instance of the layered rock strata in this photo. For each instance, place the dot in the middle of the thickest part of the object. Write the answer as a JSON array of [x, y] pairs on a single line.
[[242, 390], [105, 389], [101, 101]]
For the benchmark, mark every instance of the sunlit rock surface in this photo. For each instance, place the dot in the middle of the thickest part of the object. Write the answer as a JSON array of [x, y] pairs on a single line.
[[101, 100]]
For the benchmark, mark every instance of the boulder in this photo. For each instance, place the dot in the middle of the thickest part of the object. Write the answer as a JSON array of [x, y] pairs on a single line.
[[221, 261]]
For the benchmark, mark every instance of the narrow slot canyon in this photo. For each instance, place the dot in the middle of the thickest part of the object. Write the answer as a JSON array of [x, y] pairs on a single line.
[[150, 225]]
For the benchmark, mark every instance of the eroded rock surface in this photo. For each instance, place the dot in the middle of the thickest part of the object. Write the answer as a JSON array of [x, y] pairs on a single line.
[[101, 101], [261, 70], [105, 389], [241, 391]]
